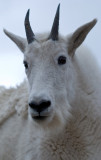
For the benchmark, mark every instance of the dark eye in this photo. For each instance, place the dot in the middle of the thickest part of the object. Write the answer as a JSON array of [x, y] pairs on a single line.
[[25, 64], [61, 60]]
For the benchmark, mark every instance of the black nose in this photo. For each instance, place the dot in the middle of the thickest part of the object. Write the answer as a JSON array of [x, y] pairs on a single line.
[[39, 107]]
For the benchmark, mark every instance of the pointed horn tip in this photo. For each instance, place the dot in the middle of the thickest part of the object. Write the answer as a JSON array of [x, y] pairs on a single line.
[[55, 27], [59, 5], [27, 14], [28, 11], [94, 21], [58, 8], [5, 31], [27, 17]]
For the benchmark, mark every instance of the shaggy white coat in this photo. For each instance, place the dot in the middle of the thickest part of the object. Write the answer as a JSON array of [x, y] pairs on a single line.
[[72, 131], [80, 138]]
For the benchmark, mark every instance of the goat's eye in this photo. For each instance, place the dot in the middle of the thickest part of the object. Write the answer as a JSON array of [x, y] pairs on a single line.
[[61, 60], [25, 64]]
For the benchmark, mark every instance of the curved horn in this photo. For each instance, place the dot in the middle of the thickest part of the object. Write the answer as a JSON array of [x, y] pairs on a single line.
[[55, 27], [29, 33]]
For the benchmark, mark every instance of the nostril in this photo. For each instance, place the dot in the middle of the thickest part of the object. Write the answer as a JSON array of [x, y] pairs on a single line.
[[45, 104], [41, 106], [33, 105]]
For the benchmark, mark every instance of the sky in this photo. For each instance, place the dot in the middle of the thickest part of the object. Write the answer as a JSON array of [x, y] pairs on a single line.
[[73, 14]]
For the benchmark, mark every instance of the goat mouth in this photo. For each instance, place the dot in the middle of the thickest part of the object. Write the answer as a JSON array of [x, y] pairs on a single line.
[[39, 117]]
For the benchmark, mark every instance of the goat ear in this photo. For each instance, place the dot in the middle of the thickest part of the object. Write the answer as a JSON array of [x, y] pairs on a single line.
[[19, 41], [78, 36]]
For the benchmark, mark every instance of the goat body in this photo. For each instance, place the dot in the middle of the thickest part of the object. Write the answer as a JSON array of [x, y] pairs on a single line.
[[59, 111], [79, 138]]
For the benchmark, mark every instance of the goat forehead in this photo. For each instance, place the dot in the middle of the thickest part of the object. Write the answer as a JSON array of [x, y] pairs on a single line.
[[46, 48]]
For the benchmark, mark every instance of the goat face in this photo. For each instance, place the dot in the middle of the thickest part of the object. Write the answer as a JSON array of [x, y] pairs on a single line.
[[49, 71], [48, 60]]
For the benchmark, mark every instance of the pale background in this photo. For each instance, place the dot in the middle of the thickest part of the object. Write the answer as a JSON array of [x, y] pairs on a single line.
[[73, 13]]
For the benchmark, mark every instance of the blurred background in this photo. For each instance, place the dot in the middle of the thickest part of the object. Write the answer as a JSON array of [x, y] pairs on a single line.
[[73, 13]]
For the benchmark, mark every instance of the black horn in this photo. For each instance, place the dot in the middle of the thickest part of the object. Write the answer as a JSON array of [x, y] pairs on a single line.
[[29, 33], [55, 27]]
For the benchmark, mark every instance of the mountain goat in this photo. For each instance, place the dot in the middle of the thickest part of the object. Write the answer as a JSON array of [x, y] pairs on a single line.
[[59, 111]]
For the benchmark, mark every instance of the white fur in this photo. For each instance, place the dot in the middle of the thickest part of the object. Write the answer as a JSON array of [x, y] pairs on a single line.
[[72, 130]]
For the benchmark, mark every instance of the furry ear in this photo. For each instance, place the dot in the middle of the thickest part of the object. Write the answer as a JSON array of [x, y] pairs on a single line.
[[78, 36], [19, 41]]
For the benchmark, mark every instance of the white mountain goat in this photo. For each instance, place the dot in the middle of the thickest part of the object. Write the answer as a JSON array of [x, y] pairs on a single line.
[[61, 119]]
